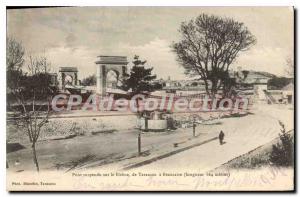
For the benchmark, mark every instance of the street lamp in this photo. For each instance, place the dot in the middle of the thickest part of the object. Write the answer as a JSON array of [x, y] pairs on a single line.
[[144, 116], [194, 126], [194, 118]]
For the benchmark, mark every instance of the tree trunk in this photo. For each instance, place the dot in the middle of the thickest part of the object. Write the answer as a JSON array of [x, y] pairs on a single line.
[[35, 157], [206, 87], [213, 89], [137, 105]]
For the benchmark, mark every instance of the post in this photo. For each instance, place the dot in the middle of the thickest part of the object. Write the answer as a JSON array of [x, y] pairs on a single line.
[[101, 79], [146, 123], [139, 143], [194, 127]]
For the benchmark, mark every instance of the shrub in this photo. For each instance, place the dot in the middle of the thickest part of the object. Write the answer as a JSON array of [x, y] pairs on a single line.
[[282, 152]]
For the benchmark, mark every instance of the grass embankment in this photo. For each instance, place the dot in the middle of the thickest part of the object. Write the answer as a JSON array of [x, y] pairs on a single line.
[[257, 158]]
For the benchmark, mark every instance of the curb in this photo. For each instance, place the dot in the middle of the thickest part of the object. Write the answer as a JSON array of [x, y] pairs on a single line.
[[148, 161]]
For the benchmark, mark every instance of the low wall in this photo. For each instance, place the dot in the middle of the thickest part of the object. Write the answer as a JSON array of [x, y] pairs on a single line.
[[153, 125]]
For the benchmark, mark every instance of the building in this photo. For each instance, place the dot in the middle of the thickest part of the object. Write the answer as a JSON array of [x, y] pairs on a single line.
[[288, 93]]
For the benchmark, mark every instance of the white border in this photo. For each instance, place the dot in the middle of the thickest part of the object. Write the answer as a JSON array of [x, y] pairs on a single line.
[[151, 3], [108, 3]]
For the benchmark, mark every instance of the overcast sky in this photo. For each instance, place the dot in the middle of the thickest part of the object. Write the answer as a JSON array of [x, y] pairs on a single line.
[[76, 36]]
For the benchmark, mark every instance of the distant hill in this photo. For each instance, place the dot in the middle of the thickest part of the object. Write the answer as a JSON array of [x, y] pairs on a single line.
[[261, 73]]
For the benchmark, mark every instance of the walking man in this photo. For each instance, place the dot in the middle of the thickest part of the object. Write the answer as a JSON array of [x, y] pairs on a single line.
[[221, 137]]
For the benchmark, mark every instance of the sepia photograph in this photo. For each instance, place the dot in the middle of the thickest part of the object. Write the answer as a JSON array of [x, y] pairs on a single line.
[[150, 98]]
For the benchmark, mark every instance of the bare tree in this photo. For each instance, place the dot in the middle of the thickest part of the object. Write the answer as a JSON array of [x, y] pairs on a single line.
[[14, 54], [38, 65], [14, 62], [89, 81], [31, 94], [290, 67], [209, 45]]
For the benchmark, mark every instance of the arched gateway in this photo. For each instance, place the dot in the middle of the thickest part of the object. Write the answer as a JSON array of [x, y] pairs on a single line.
[[108, 64], [68, 76]]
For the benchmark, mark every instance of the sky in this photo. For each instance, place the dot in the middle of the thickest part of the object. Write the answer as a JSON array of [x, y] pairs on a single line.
[[75, 36]]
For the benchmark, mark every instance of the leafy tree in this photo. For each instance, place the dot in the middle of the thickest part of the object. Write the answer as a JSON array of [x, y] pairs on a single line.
[[229, 85], [282, 153], [139, 79], [157, 85], [89, 81], [209, 45]]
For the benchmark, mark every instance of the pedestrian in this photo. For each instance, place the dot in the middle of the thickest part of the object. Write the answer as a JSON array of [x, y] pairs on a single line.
[[221, 137]]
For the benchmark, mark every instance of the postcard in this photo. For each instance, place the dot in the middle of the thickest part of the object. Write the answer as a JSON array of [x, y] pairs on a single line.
[[150, 99]]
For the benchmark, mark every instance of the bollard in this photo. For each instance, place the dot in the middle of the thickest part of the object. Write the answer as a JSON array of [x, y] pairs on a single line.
[[194, 127], [146, 123]]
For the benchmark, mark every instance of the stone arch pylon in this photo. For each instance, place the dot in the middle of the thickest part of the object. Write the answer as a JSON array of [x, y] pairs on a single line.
[[109, 63]]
